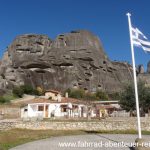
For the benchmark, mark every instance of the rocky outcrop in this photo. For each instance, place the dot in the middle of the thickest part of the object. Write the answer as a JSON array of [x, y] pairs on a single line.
[[148, 67], [141, 69], [72, 60]]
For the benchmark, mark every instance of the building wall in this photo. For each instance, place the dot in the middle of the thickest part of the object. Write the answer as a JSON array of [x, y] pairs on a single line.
[[54, 110], [32, 110], [56, 97], [24, 112]]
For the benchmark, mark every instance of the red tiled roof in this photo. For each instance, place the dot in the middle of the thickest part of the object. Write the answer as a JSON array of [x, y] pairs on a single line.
[[53, 91], [72, 100], [39, 100], [63, 100]]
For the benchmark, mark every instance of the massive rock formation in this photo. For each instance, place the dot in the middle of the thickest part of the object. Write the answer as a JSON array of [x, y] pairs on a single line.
[[72, 60]]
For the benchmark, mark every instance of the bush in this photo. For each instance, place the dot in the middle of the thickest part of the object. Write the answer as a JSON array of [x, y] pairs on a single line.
[[3, 100], [40, 90], [27, 89], [36, 92], [114, 96], [90, 96], [77, 93], [101, 95], [81, 94], [127, 100], [17, 91]]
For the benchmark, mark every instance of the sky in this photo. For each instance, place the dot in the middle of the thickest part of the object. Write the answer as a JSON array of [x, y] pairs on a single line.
[[105, 18]]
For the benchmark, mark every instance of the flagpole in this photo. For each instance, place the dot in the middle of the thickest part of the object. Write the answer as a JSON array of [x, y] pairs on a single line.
[[135, 79]]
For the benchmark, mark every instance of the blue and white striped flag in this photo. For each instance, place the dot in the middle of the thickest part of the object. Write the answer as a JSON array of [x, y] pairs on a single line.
[[140, 40]]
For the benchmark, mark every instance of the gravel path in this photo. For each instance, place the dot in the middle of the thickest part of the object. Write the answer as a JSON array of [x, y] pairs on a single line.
[[82, 142], [26, 98]]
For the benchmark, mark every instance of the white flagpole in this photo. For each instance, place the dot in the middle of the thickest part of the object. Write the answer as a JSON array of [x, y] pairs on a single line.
[[135, 79]]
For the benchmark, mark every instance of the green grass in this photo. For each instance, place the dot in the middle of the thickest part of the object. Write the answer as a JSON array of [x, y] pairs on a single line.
[[14, 137], [9, 97], [5, 99]]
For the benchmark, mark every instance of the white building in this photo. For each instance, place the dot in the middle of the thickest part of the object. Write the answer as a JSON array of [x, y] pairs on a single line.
[[46, 108]]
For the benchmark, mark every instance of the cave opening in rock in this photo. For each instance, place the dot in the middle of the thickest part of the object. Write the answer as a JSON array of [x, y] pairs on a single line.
[[85, 89], [104, 62], [87, 79], [99, 86]]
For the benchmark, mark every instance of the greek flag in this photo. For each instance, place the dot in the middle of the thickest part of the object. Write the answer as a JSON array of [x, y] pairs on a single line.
[[140, 40]]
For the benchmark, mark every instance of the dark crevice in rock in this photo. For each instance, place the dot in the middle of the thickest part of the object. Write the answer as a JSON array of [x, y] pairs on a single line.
[[86, 59], [85, 89], [99, 85], [39, 43], [80, 84], [87, 79], [94, 66], [104, 62], [40, 71], [81, 50], [88, 74], [104, 70], [75, 31], [101, 66], [42, 66], [61, 35], [18, 45], [64, 64]]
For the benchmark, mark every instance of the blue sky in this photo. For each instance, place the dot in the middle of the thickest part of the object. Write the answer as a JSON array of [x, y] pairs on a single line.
[[106, 18]]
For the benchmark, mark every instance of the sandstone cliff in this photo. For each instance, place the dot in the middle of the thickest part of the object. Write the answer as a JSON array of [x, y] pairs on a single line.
[[72, 60]]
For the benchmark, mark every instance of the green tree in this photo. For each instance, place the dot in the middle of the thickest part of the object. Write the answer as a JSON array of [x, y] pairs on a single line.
[[102, 95], [17, 91], [27, 89], [127, 100], [114, 96], [90, 96], [77, 93], [145, 101], [81, 94]]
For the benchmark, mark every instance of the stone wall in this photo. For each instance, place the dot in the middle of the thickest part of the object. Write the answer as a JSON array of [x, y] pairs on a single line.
[[91, 125], [102, 125], [7, 124]]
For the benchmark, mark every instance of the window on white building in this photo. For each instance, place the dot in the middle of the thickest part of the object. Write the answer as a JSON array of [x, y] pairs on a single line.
[[40, 108], [64, 108]]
